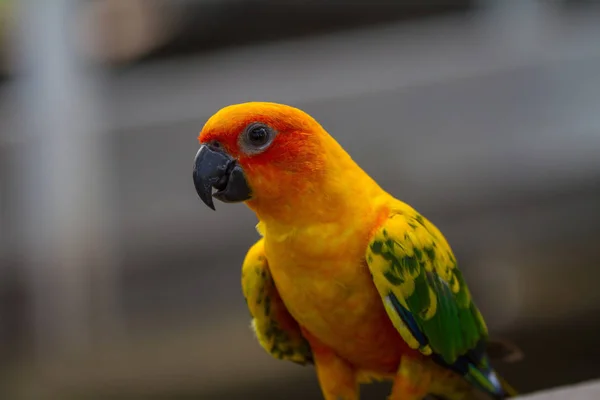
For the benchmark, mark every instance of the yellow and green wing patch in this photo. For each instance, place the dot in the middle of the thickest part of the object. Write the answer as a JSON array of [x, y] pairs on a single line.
[[276, 330], [426, 297]]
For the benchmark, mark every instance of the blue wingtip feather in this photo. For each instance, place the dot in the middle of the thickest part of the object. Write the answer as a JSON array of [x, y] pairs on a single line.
[[408, 320], [479, 373]]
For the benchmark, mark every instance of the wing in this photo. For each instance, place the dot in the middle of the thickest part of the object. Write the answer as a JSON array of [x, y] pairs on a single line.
[[277, 331], [426, 297]]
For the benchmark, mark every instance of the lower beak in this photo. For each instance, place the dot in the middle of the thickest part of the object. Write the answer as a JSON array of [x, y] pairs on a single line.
[[213, 168]]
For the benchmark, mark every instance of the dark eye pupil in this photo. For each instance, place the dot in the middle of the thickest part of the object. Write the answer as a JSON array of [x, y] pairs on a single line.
[[258, 136]]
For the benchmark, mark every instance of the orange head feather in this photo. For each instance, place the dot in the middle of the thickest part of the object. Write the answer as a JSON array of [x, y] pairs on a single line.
[[293, 167], [295, 143]]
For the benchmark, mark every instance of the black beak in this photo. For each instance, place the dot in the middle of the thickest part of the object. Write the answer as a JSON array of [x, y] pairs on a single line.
[[213, 168]]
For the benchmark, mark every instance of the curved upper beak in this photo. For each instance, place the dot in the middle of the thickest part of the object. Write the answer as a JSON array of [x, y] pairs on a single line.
[[214, 168]]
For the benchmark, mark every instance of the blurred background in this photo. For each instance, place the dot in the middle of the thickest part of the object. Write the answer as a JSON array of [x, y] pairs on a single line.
[[116, 281]]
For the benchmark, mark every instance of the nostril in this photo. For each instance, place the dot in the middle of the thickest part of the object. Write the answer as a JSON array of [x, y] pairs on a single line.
[[214, 145]]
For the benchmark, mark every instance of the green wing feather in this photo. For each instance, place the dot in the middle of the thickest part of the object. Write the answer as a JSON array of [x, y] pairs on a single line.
[[276, 330], [415, 272], [427, 299]]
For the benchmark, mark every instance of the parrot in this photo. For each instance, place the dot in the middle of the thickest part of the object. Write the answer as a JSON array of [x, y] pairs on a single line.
[[344, 277]]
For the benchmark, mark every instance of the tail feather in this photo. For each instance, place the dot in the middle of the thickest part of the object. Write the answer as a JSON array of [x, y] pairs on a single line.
[[489, 381], [476, 369], [508, 389]]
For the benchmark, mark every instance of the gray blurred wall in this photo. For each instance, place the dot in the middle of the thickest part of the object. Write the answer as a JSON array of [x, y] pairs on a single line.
[[117, 281]]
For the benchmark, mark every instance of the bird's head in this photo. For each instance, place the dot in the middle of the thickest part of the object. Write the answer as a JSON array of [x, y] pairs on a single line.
[[264, 154]]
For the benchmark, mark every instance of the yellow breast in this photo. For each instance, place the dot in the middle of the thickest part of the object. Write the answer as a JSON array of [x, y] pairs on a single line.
[[325, 284]]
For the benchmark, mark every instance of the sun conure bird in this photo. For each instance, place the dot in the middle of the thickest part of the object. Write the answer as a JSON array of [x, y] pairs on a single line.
[[345, 276]]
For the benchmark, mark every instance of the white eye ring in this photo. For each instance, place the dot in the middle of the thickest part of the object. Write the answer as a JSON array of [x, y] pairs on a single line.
[[256, 138]]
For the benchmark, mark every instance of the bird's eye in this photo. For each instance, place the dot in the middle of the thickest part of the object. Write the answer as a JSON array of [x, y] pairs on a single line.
[[256, 138], [258, 135]]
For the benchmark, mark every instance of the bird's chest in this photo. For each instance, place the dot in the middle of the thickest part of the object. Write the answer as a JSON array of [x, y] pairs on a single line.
[[327, 289]]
